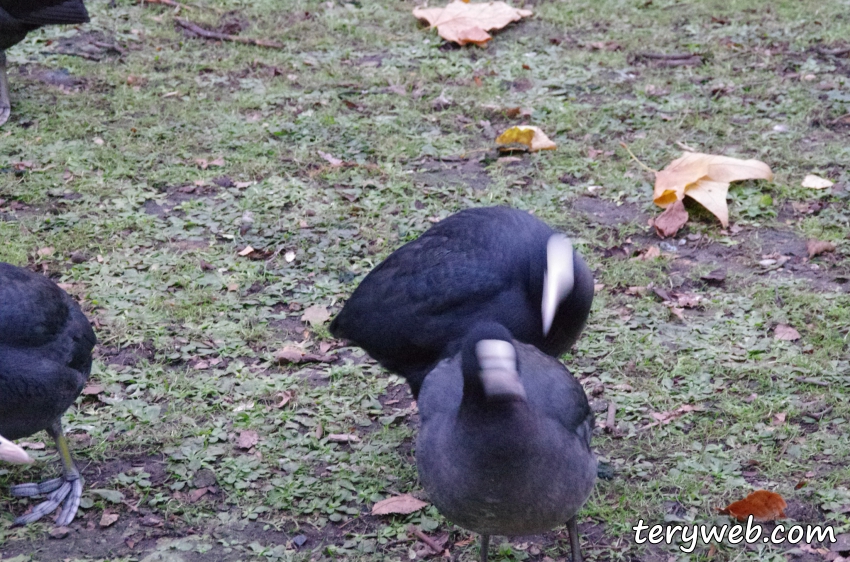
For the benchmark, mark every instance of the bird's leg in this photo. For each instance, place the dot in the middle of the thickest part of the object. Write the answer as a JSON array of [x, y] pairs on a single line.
[[485, 546], [572, 527], [5, 104], [67, 489]]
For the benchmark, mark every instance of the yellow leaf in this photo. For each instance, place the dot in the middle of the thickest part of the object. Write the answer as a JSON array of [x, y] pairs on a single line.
[[532, 137], [705, 178], [463, 22], [816, 182]]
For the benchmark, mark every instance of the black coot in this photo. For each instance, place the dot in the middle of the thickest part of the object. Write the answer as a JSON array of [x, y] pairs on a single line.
[[46, 347], [485, 264], [19, 17], [504, 447]]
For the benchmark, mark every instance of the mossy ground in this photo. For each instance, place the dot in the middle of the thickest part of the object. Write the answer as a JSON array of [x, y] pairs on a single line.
[[101, 159]]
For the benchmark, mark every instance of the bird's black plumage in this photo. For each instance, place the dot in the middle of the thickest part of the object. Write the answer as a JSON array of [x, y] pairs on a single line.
[[504, 447], [46, 347], [19, 17], [482, 264]]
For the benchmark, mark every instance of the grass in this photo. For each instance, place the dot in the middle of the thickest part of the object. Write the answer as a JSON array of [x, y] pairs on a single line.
[[100, 158]]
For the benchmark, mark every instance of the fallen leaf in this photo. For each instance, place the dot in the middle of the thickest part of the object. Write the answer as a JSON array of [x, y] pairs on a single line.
[[108, 519], [818, 247], [715, 277], [59, 532], [334, 162], [663, 418], [246, 250], [785, 332], [464, 22], [219, 162], [247, 439], [202, 163], [779, 419], [649, 254], [705, 178], [195, 495], [45, 251], [671, 220], [816, 182], [525, 136], [285, 397], [316, 315], [93, 389], [761, 504], [402, 505]]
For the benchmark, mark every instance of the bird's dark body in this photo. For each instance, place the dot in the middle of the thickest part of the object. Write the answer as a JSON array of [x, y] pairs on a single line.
[[482, 264], [19, 17], [46, 347], [506, 468]]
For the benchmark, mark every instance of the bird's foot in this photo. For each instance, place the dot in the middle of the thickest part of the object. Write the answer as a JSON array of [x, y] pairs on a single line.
[[66, 489]]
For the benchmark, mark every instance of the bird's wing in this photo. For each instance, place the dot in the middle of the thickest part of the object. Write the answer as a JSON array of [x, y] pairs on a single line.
[[46, 12]]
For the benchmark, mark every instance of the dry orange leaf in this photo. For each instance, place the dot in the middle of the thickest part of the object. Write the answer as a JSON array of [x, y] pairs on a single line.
[[671, 220], [525, 136], [402, 505], [464, 22], [705, 178], [761, 504]]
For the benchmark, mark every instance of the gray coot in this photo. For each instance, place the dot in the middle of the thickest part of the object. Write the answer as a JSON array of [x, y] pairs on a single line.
[[483, 264], [46, 347], [504, 447], [19, 17]]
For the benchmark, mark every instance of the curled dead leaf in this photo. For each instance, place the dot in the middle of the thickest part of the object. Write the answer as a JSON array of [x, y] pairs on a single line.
[[467, 22], [816, 182], [401, 505], [671, 220], [705, 178], [526, 138], [763, 505]]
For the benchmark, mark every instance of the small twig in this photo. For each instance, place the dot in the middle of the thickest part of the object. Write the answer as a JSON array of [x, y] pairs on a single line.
[[194, 28], [819, 416], [89, 56], [424, 538], [644, 166], [664, 56], [110, 46], [693, 61], [609, 420], [171, 3], [835, 52], [809, 380]]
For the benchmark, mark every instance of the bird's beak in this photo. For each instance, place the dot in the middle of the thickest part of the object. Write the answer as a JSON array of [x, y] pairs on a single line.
[[497, 359], [9, 452], [558, 279]]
